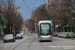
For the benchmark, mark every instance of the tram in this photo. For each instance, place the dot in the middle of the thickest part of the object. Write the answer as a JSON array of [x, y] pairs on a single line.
[[45, 30]]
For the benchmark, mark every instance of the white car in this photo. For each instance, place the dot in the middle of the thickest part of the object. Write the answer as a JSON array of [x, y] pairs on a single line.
[[60, 34], [64, 34]]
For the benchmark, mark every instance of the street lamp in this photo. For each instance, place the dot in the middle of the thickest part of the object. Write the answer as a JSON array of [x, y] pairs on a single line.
[[0, 25], [63, 14], [13, 20]]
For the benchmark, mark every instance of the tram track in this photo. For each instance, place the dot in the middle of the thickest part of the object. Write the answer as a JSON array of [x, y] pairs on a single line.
[[29, 47], [40, 43], [19, 44], [43, 46]]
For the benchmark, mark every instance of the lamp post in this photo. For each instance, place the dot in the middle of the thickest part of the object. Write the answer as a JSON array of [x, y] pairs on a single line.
[[63, 14], [0, 26], [35, 24], [13, 20]]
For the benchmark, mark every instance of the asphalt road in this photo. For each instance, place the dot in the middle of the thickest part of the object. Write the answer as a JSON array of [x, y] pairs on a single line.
[[30, 42]]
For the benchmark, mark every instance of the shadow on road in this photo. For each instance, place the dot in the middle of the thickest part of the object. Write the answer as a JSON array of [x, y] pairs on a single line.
[[46, 41]]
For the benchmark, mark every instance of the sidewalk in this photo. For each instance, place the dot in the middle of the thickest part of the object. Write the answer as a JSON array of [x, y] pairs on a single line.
[[1, 38], [1, 41]]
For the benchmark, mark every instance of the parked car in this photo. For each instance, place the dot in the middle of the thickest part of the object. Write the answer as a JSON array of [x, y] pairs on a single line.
[[22, 35], [60, 34], [18, 36], [64, 34], [31, 32], [9, 37], [56, 34], [71, 34]]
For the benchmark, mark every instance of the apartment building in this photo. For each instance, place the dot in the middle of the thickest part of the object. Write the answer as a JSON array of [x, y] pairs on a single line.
[[49, 2], [60, 1]]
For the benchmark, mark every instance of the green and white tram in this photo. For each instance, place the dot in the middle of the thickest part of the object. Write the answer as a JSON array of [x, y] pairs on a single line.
[[45, 30]]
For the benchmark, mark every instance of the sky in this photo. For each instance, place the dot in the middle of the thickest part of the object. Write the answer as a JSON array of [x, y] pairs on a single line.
[[31, 5]]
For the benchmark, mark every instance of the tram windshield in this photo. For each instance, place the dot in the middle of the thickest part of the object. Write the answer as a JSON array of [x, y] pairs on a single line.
[[45, 28]]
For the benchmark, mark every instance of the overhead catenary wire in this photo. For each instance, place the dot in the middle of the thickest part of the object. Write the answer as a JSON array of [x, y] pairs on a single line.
[[26, 5]]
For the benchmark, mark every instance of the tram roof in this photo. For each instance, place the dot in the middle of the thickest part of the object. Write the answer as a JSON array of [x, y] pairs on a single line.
[[44, 21]]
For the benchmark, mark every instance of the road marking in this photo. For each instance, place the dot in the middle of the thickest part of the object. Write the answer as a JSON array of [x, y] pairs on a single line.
[[64, 47]]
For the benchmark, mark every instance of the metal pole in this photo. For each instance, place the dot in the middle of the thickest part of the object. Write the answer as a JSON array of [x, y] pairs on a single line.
[[9, 26], [13, 27], [35, 23], [63, 15], [9, 18], [63, 23], [13, 22]]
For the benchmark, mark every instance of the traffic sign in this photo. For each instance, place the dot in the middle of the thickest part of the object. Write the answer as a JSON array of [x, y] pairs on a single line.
[[2, 20], [4, 23]]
